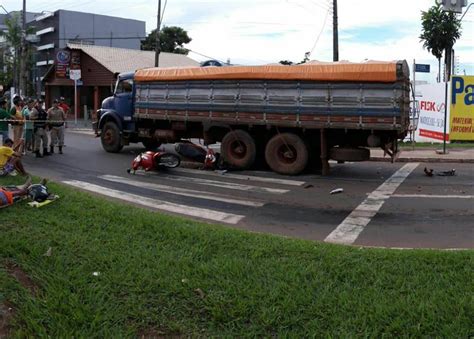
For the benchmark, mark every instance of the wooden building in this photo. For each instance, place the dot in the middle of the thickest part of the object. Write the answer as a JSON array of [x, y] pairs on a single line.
[[98, 67]]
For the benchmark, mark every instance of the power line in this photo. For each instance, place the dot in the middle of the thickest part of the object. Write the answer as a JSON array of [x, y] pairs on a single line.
[[320, 33]]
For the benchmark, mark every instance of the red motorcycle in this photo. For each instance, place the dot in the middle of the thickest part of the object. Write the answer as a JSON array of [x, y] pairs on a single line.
[[154, 160]]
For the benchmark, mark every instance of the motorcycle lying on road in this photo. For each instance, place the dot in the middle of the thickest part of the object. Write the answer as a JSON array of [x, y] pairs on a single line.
[[154, 161]]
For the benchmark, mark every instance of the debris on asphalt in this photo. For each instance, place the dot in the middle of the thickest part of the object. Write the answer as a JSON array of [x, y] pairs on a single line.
[[430, 173], [449, 173], [337, 190], [221, 172], [308, 186]]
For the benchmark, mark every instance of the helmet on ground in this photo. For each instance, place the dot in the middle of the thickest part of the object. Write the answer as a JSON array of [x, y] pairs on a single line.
[[38, 192]]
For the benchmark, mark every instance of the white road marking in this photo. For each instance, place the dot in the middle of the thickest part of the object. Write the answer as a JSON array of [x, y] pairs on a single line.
[[158, 204], [180, 191], [242, 177], [434, 196], [78, 131], [221, 184], [349, 230]]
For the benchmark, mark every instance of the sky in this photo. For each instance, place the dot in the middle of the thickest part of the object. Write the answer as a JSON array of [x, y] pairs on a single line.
[[253, 32]]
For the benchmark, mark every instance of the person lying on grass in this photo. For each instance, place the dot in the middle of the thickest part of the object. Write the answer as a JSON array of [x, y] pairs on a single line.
[[10, 159], [12, 194]]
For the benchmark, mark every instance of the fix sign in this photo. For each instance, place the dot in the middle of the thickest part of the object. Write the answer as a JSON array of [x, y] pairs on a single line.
[[431, 119], [462, 108]]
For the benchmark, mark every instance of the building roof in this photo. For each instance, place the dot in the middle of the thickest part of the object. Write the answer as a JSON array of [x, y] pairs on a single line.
[[119, 60]]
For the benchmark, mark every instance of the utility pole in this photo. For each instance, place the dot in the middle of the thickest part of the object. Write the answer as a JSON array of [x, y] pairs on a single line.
[[335, 35], [158, 24], [23, 52]]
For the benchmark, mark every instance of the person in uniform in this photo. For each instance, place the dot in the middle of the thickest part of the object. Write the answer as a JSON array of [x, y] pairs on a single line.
[[56, 120], [39, 118]]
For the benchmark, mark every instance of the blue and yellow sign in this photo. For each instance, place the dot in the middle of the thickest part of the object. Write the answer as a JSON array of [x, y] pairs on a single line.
[[462, 108]]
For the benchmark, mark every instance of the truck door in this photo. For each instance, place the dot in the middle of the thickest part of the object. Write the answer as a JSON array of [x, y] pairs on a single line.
[[124, 98]]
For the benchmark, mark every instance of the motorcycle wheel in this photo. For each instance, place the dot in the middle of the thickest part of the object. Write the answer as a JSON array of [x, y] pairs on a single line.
[[168, 160]]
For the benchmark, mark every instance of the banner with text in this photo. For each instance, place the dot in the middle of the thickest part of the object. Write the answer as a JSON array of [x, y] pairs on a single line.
[[431, 119], [462, 108]]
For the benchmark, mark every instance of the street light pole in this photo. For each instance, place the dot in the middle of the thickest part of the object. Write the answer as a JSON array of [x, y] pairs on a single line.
[[22, 52], [335, 35], [158, 24]]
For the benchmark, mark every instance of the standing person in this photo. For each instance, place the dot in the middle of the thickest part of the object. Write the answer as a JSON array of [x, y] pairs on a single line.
[[15, 114], [39, 118], [10, 159], [30, 103], [64, 106], [56, 120], [4, 115]]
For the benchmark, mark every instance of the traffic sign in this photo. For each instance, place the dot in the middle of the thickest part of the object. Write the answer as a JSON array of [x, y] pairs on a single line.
[[74, 74], [422, 68]]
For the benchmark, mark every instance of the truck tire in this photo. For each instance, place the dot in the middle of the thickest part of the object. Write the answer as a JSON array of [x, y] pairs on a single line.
[[110, 137], [238, 149], [151, 144], [286, 153]]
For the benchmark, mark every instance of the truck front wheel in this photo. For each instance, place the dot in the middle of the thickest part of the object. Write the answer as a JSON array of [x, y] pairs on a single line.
[[110, 137], [238, 149], [286, 153]]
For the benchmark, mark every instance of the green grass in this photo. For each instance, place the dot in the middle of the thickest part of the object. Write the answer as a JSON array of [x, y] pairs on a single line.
[[151, 267]]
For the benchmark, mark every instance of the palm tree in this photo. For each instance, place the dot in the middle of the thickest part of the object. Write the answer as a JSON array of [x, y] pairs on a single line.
[[440, 30]]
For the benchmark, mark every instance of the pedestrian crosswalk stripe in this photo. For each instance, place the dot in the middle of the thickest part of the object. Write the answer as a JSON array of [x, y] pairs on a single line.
[[351, 227], [242, 177], [180, 191], [221, 184], [158, 204]]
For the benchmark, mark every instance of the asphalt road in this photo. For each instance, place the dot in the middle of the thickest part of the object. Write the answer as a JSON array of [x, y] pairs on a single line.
[[383, 204]]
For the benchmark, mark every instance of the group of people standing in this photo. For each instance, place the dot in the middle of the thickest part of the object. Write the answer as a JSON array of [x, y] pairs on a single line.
[[31, 122]]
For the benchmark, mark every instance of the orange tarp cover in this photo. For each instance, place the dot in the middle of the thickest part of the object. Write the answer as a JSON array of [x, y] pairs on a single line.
[[338, 71]]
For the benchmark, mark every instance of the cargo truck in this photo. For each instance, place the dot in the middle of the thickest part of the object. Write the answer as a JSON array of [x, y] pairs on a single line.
[[292, 117]]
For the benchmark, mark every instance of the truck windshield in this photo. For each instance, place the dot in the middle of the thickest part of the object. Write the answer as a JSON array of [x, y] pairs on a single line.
[[124, 86]]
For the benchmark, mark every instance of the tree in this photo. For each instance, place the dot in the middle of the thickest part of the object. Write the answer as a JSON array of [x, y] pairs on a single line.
[[12, 38], [440, 30], [286, 62], [172, 40]]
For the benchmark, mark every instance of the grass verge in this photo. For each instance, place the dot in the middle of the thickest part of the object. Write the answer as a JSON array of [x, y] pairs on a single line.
[[117, 271]]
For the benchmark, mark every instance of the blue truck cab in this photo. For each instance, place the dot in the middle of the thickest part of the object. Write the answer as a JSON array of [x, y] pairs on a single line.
[[115, 124]]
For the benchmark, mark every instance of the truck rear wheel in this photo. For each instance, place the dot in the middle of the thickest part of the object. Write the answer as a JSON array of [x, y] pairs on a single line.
[[286, 153], [110, 137], [238, 149]]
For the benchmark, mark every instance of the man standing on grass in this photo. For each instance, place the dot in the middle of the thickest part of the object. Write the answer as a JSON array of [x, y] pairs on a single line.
[[10, 159], [56, 120]]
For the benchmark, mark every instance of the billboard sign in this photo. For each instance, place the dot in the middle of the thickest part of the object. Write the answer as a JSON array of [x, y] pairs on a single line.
[[431, 118], [462, 108]]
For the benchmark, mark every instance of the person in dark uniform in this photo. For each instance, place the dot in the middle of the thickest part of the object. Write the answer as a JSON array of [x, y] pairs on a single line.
[[39, 117]]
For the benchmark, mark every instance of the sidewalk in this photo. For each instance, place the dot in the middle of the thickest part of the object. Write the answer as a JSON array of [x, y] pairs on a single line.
[[459, 155]]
